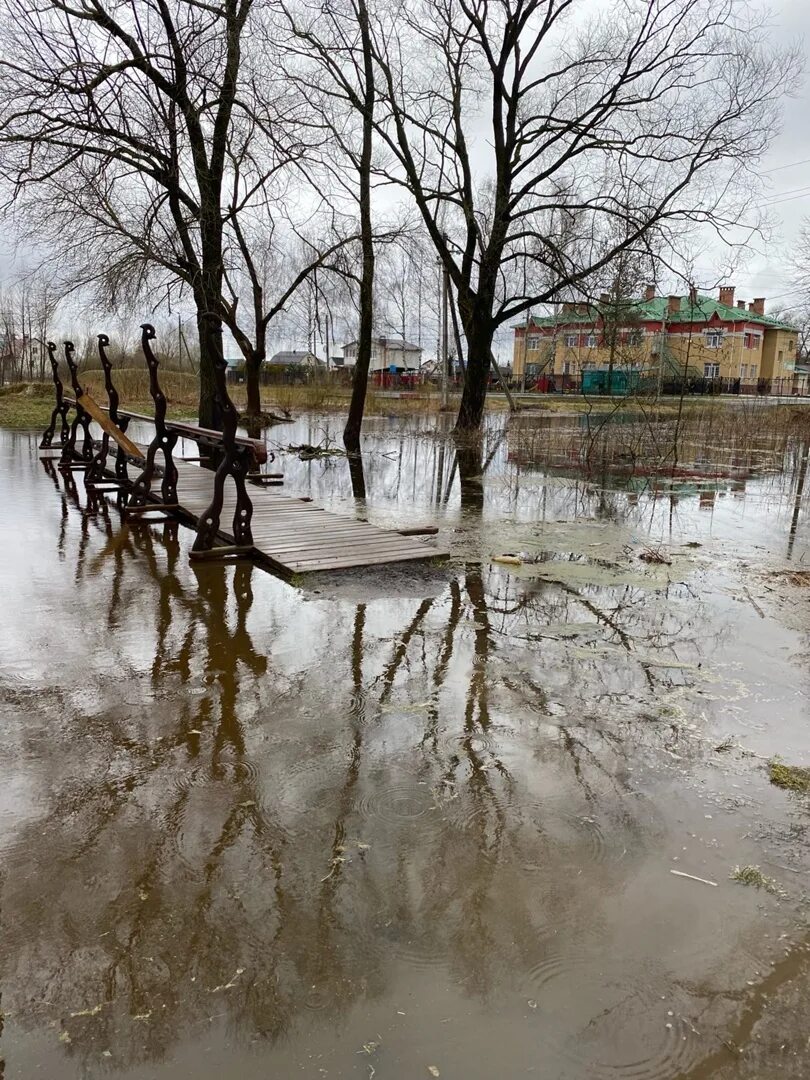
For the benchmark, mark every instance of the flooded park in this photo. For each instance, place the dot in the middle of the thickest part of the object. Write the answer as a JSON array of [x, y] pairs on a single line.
[[510, 813]]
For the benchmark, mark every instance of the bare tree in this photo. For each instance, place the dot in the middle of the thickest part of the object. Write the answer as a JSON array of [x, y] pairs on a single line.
[[516, 123], [130, 113], [28, 306], [340, 76]]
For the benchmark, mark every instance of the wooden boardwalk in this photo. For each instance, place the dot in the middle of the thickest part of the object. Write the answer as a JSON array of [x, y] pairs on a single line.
[[296, 536]]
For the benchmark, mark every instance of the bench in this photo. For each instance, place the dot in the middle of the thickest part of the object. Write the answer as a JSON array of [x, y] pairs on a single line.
[[239, 457]]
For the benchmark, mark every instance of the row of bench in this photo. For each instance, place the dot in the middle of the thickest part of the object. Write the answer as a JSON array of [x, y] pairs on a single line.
[[235, 456]]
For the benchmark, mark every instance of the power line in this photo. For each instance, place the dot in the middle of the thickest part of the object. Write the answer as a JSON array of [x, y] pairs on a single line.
[[778, 202], [790, 165], [790, 191]]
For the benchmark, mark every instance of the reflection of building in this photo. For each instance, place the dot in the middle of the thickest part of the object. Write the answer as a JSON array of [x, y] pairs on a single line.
[[664, 336], [385, 354]]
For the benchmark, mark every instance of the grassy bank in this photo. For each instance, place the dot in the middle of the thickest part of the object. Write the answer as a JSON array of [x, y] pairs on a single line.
[[24, 406], [29, 405]]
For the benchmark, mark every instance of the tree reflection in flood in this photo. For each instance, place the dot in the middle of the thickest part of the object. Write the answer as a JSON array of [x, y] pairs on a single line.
[[262, 823]]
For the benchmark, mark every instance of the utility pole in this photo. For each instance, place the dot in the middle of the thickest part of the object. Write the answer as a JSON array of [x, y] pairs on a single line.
[[419, 309], [445, 350], [525, 351]]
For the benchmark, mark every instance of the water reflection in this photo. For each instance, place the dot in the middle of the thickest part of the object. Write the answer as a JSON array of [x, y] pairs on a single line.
[[250, 824]]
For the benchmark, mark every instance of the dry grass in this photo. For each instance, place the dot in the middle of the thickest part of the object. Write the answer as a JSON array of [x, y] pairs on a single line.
[[799, 578], [180, 387], [739, 438], [789, 777], [752, 875], [24, 406]]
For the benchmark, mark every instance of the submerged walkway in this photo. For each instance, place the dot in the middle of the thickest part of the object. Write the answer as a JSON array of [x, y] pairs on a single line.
[[295, 535]]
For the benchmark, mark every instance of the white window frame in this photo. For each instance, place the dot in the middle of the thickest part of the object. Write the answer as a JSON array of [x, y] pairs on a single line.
[[532, 342], [571, 340], [590, 341], [711, 370], [713, 339]]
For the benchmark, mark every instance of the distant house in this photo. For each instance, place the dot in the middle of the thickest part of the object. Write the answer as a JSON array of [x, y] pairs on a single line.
[[723, 339], [385, 354], [295, 358]]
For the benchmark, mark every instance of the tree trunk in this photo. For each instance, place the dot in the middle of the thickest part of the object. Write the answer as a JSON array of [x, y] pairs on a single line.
[[479, 353], [354, 422], [209, 328], [253, 371]]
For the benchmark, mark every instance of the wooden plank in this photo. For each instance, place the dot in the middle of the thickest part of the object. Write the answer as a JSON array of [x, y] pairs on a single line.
[[324, 530], [325, 547], [309, 566], [106, 424], [338, 549]]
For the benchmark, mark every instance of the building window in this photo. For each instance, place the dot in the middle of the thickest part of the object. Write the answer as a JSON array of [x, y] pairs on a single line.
[[571, 341], [590, 341], [751, 341], [713, 338], [711, 371], [567, 367], [533, 341], [791, 346], [633, 337]]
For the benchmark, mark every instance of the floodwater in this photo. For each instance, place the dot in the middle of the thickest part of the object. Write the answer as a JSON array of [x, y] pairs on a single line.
[[410, 821]]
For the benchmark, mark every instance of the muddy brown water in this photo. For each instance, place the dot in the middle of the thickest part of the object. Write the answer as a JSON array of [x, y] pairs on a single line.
[[412, 821]]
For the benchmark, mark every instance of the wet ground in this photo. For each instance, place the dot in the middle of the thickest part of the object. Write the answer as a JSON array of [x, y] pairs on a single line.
[[409, 822]]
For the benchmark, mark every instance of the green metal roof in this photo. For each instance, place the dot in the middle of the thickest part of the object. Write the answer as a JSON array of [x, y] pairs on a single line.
[[657, 309]]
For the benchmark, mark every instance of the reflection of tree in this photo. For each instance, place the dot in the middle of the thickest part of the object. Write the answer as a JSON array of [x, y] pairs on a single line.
[[469, 459], [171, 869], [804, 456]]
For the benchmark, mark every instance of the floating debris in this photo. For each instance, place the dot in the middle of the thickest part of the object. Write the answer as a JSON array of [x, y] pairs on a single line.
[[726, 745], [91, 1012], [790, 777], [655, 556], [702, 880], [800, 578], [752, 875]]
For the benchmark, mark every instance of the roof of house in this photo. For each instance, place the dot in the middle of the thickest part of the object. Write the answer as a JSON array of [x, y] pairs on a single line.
[[294, 356], [393, 342], [657, 309]]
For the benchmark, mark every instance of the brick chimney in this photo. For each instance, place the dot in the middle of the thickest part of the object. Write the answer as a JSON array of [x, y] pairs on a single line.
[[727, 295], [649, 292], [673, 304], [604, 298], [568, 306], [741, 304], [758, 306], [692, 295]]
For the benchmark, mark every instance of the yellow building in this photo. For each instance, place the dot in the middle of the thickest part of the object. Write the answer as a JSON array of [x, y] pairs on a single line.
[[736, 345]]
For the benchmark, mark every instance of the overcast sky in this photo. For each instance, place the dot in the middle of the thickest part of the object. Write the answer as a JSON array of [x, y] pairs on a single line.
[[785, 171]]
